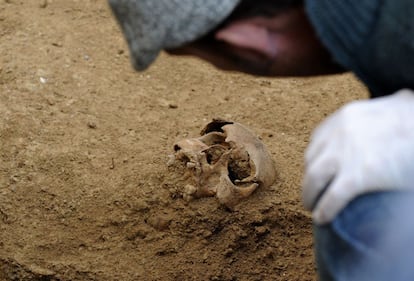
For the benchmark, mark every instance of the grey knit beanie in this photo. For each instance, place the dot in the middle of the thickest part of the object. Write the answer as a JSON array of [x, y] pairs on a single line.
[[152, 25]]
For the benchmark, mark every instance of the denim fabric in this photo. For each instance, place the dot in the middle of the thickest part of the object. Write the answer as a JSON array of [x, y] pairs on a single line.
[[371, 239]]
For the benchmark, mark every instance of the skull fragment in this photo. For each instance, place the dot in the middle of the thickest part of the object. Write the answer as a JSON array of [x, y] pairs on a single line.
[[228, 161]]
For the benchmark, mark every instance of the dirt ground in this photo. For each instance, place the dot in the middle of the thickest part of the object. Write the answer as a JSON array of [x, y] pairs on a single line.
[[85, 190]]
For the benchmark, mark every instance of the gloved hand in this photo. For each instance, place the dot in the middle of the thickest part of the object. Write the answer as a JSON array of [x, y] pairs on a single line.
[[365, 146]]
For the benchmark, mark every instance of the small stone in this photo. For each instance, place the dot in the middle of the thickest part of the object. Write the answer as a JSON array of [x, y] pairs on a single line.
[[160, 223], [57, 44], [260, 230], [14, 179], [228, 252], [43, 4], [92, 125]]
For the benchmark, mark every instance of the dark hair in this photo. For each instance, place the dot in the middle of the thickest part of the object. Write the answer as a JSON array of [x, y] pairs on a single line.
[[266, 8]]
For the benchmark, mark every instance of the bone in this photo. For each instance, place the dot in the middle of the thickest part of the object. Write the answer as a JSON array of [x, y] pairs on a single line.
[[227, 161]]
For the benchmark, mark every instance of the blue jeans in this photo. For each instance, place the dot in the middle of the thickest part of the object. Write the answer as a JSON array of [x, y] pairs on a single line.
[[372, 239]]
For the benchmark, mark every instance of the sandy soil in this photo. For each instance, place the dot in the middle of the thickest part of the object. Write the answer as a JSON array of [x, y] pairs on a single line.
[[85, 191]]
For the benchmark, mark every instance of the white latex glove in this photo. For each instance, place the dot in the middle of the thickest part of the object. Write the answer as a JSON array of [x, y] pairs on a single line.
[[365, 146]]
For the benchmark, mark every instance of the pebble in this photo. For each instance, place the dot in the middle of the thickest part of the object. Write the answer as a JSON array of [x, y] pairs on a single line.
[[43, 4]]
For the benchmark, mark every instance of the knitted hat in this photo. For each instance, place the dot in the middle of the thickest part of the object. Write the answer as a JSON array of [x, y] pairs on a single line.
[[152, 25]]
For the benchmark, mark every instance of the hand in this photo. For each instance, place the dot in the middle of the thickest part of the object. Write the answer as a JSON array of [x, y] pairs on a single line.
[[366, 146]]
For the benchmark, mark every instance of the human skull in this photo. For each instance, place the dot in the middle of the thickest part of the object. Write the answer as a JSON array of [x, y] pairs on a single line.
[[227, 161]]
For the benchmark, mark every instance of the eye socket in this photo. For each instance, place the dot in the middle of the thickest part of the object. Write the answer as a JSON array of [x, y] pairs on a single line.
[[239, 168], [177, 148]]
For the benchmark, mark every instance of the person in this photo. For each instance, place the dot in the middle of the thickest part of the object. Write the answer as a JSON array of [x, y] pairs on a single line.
[[359, 172]]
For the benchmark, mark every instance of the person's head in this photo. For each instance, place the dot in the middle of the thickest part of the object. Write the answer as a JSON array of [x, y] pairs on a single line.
[[260, 37]]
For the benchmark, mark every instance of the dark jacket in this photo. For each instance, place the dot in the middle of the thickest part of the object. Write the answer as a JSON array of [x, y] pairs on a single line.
[[372, 38]]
